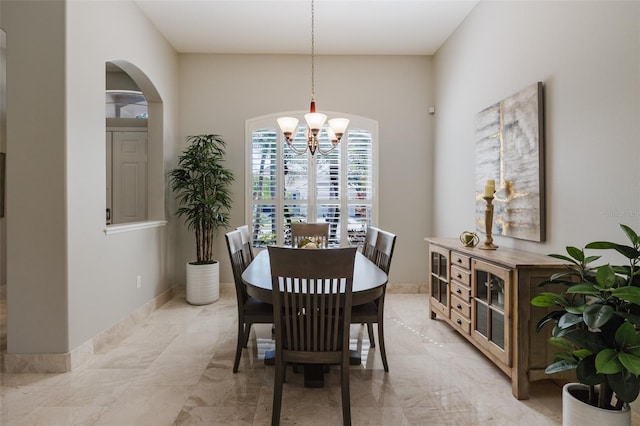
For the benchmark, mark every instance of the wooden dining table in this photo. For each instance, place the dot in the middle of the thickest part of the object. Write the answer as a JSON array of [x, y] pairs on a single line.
[[368, 285]]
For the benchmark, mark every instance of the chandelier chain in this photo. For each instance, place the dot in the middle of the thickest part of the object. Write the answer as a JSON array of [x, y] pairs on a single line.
[[313, 82]]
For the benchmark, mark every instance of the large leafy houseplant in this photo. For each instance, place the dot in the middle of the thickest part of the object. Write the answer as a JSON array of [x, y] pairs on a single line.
[[201, 183], [597, 321]]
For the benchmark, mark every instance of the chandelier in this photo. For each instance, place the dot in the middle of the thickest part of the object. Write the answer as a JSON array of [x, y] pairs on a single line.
[[315, 120]]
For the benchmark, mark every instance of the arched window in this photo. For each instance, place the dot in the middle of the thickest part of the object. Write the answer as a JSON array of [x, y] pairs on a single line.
[[284, 187]]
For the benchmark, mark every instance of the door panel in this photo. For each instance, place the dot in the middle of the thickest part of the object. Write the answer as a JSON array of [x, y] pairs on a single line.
[[129, 190]]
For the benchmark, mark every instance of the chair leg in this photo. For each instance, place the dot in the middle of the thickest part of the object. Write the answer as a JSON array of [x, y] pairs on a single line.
[[239, 345], [346, 399], [277, 392], [247, 332], [383, 352], [372, 339]]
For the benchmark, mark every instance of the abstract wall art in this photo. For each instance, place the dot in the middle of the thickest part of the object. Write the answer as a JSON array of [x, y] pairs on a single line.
[[509, 142]]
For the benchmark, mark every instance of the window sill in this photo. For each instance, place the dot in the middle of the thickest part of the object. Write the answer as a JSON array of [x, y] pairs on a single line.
[[136, 226]]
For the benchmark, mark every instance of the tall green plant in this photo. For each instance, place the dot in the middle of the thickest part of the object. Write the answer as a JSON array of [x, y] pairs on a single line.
[[201, 183], [597, 325]]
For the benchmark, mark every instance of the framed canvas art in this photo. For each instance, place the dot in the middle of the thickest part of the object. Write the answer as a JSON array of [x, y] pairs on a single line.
[[509, 149]]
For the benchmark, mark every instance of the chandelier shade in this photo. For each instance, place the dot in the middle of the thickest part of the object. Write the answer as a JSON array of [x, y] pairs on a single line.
[[288, 125], [315, 120]]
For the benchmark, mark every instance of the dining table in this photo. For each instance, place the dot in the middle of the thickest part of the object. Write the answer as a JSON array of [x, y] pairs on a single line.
[[368, 285]]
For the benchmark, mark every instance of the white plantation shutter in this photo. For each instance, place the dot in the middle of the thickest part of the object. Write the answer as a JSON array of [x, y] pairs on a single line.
[[338, 188], [264, 186], [360, 178]]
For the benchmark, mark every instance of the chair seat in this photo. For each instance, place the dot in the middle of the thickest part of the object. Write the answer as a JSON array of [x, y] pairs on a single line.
[[364, 313], [257, 309]]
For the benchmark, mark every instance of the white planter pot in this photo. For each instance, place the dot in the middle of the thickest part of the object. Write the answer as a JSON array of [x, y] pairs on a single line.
[[203, 283], [575, 412]]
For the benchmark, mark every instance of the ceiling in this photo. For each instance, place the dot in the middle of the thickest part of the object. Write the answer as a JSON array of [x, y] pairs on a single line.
[[342, 27]]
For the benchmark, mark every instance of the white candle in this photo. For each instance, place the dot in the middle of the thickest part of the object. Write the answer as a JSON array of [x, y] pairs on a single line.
[[490, 188]]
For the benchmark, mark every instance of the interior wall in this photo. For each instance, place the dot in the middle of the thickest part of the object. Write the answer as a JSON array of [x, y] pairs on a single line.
[[103, 269], [67, 280], [588, 56], [36, 203], [219, 92]]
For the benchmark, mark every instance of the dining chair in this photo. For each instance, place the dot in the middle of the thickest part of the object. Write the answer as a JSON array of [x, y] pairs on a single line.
[[373, 312], [250, 311], [246, 242], [300, 230], [312, 298], [369, 245]]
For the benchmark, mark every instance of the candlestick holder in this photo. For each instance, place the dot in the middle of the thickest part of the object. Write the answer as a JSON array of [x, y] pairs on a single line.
[[488, 225]]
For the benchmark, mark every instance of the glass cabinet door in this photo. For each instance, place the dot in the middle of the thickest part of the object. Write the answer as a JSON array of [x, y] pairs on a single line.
[[439, 279], [490, 308]]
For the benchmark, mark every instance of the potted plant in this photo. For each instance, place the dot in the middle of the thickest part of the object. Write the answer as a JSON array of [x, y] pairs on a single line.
[[597, 328], [201, 183]]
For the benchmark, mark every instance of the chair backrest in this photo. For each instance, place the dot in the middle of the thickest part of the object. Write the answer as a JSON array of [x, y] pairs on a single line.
[[385, 243], [238, 263], [246, 242], [369, 245], [312, 292], [301, 230]]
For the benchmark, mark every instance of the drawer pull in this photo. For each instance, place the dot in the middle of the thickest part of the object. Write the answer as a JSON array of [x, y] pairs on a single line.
[[459, 260], [459, 306], [458, 291], [459, 322], [459, 276]]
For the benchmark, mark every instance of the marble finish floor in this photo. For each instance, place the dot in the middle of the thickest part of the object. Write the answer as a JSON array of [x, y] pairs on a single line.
[[175, 369]]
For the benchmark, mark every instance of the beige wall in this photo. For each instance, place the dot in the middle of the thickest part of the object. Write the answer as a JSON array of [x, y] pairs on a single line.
[[67, 280], [588, 56], [36, 205], [219, 92]]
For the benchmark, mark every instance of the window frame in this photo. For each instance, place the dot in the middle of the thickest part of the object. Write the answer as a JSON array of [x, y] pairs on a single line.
[[269, 121]]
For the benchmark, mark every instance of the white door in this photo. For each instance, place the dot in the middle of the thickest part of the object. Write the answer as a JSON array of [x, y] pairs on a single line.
[[129, 177]]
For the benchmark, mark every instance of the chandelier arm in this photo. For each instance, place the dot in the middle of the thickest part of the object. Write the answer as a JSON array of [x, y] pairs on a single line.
[[323, 152], [296, 150]]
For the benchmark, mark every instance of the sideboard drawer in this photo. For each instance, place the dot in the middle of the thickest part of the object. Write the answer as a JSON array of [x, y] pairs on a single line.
[[460, 322], [461, 291], [460, 260], [461, 275], [461, 307]]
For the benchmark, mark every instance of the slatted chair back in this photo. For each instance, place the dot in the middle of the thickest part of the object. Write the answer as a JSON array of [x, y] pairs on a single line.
[[302, 230], [385, 244], [238, 263], [312, 298], [369, 245], [246, 243]]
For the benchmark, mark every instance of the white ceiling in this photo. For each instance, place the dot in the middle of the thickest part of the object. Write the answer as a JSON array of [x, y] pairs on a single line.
[[343, 27]]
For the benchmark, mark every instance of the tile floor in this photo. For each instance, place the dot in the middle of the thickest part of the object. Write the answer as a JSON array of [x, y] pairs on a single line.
[[175, 369]]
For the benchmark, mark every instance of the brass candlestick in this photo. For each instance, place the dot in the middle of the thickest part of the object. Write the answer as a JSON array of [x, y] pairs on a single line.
[[488, 225]]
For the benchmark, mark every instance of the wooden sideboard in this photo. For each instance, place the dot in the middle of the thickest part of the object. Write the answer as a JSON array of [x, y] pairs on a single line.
[[485, 295]]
